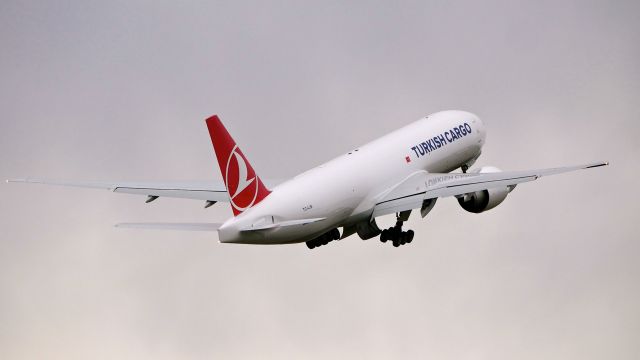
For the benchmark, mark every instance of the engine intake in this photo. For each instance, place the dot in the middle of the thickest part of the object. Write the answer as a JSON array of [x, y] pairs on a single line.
[[480, 201]]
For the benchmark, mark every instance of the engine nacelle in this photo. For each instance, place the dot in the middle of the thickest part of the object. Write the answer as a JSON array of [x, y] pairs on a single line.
[[480, 201], [367, 229]]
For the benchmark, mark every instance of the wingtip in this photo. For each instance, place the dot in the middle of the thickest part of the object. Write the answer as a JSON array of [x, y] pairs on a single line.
[[604, 163], [26, 180]]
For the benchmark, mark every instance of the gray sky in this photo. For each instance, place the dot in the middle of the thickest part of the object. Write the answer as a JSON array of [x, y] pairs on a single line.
[[119, 90]]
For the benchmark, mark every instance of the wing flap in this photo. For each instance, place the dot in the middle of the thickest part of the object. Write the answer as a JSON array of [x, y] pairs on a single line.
[[176, 192]]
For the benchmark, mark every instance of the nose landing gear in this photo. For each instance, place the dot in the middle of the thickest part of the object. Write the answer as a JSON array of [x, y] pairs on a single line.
[[396, 235]]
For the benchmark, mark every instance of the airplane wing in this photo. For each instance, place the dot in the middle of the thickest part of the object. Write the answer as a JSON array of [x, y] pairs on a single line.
[[210, 191], [412, 191], [199, 190]]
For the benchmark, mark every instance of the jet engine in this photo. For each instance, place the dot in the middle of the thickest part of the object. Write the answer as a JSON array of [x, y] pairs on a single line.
[[480, 201], [367, 229]]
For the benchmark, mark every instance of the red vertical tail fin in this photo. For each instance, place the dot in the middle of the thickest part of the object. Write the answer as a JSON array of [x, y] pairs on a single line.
[[243, 184]]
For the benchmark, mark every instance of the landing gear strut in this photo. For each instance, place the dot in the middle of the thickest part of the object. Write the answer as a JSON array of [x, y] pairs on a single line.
[[324, 239], [396, 235]]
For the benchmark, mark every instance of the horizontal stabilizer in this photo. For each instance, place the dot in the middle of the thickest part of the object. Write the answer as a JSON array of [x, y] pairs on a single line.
[[172, 226]]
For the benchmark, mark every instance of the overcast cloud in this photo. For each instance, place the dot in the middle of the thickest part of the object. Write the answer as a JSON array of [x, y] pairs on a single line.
[[120, 89]]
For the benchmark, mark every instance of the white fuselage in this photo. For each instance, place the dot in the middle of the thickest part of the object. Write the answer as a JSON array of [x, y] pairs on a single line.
[[345, 189]]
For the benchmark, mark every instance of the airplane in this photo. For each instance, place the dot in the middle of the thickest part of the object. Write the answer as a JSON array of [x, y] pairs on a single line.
[[405, 170]]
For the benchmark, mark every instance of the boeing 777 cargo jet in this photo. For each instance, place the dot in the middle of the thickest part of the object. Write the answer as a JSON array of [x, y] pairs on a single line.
[[405, 170]]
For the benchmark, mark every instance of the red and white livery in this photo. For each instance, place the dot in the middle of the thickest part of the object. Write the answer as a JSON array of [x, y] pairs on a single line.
[[407, 169]]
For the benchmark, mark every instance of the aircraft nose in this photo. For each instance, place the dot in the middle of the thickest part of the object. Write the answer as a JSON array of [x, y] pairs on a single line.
[[478, 124], [481, 130]]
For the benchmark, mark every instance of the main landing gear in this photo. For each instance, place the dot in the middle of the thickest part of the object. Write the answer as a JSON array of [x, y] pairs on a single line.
[[324, 239], [396, 235]]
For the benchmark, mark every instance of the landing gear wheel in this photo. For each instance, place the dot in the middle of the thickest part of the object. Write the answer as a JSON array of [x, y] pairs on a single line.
[[310, 245], [384, 236], [396, 235]]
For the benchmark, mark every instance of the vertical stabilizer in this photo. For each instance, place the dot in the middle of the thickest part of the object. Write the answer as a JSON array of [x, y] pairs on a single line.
[[243, 184]]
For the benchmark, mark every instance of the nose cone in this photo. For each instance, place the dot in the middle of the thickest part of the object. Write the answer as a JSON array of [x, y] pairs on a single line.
[[478, 125]]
